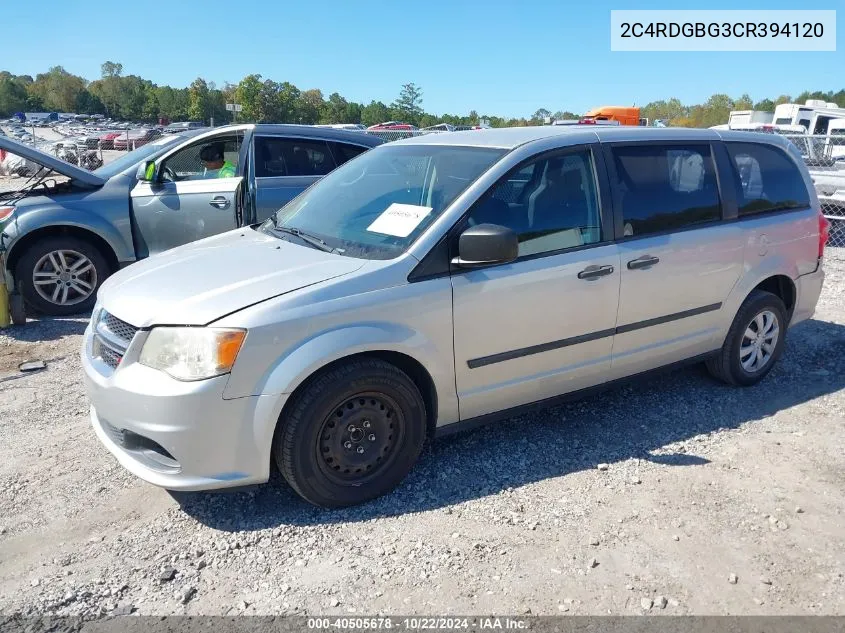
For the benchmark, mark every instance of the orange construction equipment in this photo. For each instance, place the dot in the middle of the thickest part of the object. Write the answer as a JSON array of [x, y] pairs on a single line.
[[625, 116]]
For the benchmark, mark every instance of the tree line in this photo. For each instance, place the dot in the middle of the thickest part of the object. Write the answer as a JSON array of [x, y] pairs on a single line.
[[133, 98]]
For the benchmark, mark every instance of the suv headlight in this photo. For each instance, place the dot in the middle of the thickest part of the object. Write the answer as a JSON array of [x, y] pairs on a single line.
[[192, 353]]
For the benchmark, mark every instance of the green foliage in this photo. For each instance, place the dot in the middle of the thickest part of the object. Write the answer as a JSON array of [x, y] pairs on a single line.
[[248, 94], [167, 102], [57, 89], [311, 105], [334, 110], [408, 105], [88, 103], [264, 100], [375, 112], [541, 115], [111, 69], [199, 101], [744, 103], [13, 95], [767, 105]]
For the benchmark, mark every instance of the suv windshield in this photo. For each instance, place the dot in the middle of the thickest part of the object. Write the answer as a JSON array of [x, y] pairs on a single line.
[[135, 156], [377, 204]]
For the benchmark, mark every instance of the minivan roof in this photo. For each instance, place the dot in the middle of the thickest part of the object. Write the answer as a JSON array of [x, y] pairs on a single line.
[[512, 137], [326, 133]]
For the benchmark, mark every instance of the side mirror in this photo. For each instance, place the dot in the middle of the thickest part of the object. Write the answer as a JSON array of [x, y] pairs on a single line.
[[146, 171], [486, 244]]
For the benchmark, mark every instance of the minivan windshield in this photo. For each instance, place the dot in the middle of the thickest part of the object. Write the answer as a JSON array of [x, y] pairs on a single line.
[[377, 204], [136, 156]]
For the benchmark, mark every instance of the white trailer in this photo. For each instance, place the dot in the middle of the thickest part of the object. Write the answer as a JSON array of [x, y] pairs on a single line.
[[815, 115], [749, 117]]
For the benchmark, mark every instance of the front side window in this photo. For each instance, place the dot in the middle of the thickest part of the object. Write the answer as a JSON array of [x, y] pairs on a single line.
[[343, 152], [767, 180], [279, 156], [665, 188], [550, 203], [147, 151], [515, 186], [211, 158], [375, 206]]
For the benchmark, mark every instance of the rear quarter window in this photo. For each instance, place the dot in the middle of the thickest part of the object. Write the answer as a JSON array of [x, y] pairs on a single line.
[[766, 179]]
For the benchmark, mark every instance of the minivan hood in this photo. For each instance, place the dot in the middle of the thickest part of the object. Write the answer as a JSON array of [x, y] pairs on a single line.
[[51, 162], [203, 281]]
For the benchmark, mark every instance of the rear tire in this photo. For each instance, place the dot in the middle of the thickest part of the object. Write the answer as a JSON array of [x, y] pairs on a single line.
[[754, 342], [352, 434], [74, 266]]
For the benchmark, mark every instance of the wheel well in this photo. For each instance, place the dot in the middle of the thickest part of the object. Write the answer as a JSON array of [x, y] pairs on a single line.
[[29, 239], [783, 287], [416, 372]]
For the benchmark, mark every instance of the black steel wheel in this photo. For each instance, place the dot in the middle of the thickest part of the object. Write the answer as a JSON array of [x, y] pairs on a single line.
[[351, 434], [358, 440]]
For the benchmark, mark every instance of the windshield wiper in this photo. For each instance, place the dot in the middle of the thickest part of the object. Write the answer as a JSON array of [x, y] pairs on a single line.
[[309, 239], [36, 179]]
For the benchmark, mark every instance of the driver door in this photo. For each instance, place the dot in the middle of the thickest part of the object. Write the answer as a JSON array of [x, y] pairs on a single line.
[[187, 202], [544, 324]]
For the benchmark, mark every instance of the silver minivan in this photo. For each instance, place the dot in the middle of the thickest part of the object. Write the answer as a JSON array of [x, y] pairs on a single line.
[[443, 281]]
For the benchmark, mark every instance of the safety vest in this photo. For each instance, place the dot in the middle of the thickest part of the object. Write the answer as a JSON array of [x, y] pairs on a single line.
[[227, 170]]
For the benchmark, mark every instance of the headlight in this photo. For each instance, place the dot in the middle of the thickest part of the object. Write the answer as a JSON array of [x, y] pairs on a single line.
[[192, 353], [95, 314]]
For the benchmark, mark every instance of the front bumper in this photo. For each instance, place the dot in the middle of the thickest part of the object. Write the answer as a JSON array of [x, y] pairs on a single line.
[[179, 435]]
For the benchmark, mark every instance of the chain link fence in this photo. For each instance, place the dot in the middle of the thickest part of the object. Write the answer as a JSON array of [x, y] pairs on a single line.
[[396, 135], [825, 158]]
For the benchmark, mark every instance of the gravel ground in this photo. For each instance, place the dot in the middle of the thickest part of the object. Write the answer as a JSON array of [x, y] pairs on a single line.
[[675, 496]]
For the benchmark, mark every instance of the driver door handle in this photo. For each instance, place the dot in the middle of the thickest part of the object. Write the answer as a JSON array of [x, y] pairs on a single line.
[[221, 202], [594, 272]]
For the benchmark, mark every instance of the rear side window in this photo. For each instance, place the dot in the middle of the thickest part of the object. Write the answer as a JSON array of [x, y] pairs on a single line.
[[277, 156], [767, 180], [666, 188]]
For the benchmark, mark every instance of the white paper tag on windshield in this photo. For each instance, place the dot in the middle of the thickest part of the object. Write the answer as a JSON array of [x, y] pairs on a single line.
[[399, 220]]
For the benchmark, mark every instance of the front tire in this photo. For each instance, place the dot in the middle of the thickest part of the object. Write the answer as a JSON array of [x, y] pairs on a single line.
[[60, 276], [17, 309], [754, 342], [352, 434]]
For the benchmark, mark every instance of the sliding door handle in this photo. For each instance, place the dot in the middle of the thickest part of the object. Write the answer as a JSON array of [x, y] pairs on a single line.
[[642, 262]]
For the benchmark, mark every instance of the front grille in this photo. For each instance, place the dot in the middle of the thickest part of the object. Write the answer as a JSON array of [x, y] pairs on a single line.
[[112, 337], [120, 329], [107, 355]]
